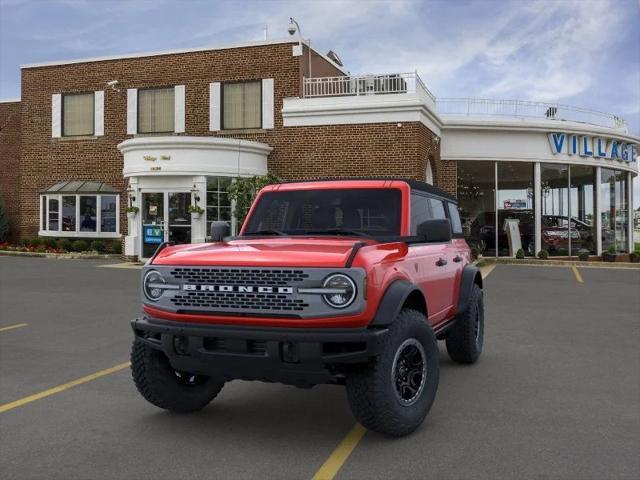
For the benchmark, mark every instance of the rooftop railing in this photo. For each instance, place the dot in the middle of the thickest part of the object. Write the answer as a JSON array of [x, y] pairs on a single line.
[[397, 83], [356, 85], [478, 107]]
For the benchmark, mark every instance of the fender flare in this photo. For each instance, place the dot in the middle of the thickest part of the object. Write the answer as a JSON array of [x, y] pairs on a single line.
[[470, 276], [392, 302]]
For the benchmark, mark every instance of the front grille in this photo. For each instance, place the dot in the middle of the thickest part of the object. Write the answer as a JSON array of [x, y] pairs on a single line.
[[235, 276], [239, 301]]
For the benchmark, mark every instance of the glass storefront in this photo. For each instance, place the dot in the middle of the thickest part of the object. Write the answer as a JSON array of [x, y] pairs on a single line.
[[582, 206], [568, 202], [614, 210], [516, 220], [554, 226], [476, 197]]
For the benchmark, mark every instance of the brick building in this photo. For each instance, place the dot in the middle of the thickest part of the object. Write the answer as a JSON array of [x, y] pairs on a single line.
[[162, 131]]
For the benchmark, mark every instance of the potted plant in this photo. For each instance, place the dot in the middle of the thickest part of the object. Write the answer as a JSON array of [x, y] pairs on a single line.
[[520, 254], [634, 257], [543, 254], [132, 212], [610, 255], [195, 211], [583, 255]]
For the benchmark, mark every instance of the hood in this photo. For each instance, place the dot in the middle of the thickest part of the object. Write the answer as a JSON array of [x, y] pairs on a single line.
[[262, 252]]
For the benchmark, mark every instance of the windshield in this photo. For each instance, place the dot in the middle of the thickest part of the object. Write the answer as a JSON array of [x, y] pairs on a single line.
[[357, 212]]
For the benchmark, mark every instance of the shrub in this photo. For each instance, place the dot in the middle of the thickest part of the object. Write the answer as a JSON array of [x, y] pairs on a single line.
[[543, 254], [4, 223], [98, 246], [79, 246], [634, 257], [244, 190], [116, 247], [26, 242], [65, 244], [583, 255], [48, 242], [520, 253], [475, 252], [611, 250]]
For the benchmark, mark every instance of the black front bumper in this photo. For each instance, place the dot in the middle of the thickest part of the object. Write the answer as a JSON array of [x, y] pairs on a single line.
[[302, 357]]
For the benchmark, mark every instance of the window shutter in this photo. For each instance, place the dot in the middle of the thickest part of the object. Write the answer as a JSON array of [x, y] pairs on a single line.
[[56, 115], [179, 108], [132, 111], [267, 103], [214, 106], [98, 111]]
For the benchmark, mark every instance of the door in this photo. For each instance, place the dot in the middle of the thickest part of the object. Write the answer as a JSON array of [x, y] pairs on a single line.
[[153, 218], [179, 230], [435, 262], [164, 219]]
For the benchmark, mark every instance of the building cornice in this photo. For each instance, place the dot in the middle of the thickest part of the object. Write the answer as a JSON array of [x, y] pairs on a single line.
[[162, 52]]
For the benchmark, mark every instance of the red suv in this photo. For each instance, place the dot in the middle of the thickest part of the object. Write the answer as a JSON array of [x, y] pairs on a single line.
[[347, 282]]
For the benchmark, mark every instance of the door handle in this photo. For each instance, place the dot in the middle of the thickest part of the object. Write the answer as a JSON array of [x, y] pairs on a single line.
[[441, 262], [457, 259]]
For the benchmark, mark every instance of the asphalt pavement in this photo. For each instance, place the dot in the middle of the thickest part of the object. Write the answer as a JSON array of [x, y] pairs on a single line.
[[555, 395]]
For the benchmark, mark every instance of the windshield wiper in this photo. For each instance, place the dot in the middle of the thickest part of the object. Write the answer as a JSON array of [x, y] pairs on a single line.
[[266, 232], [337, 231]]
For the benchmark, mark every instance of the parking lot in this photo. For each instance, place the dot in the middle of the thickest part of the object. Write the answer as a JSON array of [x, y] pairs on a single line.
[[556, 393]]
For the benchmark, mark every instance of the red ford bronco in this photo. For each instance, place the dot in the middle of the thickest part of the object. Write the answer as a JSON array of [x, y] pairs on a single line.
[[348, 282]]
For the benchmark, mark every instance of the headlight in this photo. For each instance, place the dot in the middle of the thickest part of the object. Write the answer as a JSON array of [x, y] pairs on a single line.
[[342, 290], [153, 285]]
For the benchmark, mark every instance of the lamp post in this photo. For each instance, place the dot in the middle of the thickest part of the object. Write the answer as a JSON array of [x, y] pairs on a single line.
[[293, 28]]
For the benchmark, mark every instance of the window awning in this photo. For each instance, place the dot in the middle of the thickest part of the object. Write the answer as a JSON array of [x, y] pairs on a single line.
[[80, 187]]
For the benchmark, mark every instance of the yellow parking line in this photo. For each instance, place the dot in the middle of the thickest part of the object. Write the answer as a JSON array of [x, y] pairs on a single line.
[[577, 274], [133, 265], [60, 388], [335, 461], [11, 327]]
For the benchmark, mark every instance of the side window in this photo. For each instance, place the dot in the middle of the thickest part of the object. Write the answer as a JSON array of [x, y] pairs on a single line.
[[454, 216], [437, 209], [419, 211]]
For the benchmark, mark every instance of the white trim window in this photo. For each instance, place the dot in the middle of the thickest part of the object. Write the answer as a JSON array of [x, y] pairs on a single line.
[[80, 215], [78, 114], [156, 110], [242, 105]]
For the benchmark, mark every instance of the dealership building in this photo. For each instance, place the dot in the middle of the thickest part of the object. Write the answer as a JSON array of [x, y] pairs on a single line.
[[165, 130]]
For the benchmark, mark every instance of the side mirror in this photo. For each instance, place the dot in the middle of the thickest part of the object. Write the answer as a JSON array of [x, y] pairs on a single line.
[[437, 230], [219, 230]]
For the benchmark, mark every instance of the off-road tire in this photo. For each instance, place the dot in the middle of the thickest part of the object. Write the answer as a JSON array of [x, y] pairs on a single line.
[[464, 345], [158, 383], [371, 388]]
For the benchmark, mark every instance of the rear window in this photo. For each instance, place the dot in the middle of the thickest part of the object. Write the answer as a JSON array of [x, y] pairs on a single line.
[[370, 211]]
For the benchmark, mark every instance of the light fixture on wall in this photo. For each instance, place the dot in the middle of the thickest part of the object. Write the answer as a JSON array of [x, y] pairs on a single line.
[[132, 197], [195, 193]]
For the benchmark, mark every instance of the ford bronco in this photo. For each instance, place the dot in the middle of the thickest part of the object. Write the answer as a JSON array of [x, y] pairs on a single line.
[[348, 282]]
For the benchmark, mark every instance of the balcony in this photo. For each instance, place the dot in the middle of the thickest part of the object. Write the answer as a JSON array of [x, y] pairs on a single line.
[[478, 107], [357, 85]]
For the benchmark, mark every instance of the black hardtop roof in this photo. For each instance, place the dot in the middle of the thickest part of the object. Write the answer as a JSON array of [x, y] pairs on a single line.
[[414, 184]]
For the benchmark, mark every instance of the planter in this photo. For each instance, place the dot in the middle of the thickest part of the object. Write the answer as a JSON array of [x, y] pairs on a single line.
[[196, 215], [609, 257], [131, 216], [634, 257]]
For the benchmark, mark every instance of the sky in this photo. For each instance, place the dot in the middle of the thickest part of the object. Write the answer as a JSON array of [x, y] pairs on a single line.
[[577, 52]]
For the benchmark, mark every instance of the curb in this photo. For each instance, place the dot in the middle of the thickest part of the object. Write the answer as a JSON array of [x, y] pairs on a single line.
[[62, 256], [558, 263]]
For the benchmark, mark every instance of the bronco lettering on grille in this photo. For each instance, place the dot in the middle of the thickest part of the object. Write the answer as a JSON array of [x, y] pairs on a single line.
[[237, 289]]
